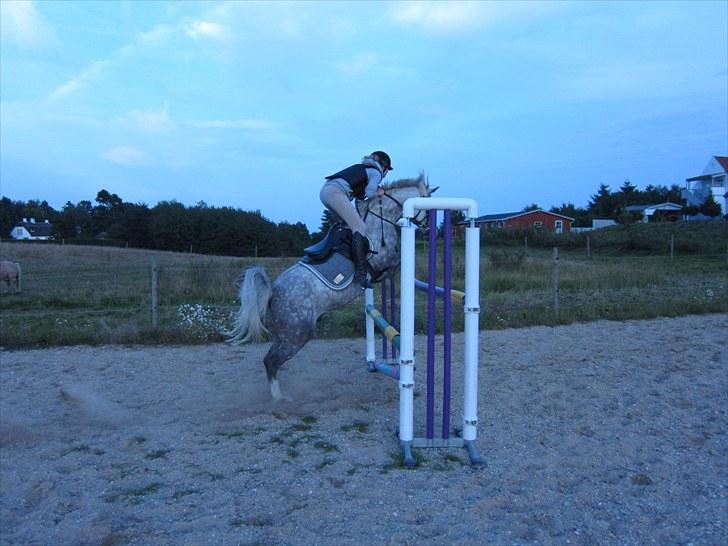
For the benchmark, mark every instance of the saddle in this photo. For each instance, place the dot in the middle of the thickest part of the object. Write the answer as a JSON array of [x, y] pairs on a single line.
[[330, 258], [338, 239]]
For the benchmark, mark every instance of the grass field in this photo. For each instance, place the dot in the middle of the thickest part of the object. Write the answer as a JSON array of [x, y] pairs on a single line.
[[96, 295]]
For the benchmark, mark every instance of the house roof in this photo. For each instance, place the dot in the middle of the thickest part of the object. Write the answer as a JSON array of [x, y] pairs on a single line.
[[721, 160], [36, 229], [510, 215], [660, 206]]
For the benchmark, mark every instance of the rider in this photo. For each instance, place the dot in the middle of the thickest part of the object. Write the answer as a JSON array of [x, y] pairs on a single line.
[[360, 181]]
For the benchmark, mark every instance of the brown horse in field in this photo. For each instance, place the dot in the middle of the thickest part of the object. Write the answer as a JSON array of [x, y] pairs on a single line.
[[10, 275]]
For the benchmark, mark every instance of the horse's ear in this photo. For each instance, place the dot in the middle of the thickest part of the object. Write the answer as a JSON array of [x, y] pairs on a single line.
[[433, 190]]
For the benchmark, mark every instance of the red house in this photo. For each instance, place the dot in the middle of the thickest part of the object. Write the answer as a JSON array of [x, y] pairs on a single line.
[[535, 220]]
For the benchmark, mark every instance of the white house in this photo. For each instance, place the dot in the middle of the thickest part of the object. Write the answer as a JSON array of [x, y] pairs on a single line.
[[31, 230], [660, 212], [714, 180]]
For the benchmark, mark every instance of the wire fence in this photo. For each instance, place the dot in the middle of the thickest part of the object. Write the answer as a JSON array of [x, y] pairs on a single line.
[[91, 295]]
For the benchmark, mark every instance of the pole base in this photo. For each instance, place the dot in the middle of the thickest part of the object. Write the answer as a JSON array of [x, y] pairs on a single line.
[[407, 458], [475, 459]]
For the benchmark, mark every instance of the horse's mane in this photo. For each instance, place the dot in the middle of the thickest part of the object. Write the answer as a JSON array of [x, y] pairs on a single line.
[[421, 181]]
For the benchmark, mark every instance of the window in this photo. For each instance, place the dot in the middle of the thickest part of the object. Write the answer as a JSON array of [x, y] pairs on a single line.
[[559, 226], [500, 224], [538, 225]]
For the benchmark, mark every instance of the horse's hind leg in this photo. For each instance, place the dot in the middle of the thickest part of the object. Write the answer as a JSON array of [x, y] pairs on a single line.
[[277, 355]]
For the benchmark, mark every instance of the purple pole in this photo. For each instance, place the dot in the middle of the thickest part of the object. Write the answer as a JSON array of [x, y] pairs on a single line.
[[431, 316], [393, 306], [385, 315], [447, 328]]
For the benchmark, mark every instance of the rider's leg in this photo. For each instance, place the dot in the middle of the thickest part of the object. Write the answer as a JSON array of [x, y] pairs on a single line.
[[335, 199], [359, 254]]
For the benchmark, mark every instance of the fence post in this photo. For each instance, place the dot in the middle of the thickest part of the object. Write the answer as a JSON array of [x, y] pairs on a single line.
[[556, 281], [155, 316], [588, 247], [672, 246]]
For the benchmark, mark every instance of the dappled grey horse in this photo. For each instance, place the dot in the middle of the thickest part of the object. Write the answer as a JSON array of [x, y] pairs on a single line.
[[287, 309]]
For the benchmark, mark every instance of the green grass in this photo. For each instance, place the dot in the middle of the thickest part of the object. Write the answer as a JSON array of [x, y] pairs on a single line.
[[100, 295]]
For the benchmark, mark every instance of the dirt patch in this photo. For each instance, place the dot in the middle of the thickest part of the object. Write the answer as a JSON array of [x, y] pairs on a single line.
[[605, 432]]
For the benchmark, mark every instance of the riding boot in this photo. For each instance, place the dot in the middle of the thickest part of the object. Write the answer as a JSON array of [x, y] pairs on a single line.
[[359, 253]]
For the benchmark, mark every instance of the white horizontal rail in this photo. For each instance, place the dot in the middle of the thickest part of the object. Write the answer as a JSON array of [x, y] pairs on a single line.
[[440, 203]]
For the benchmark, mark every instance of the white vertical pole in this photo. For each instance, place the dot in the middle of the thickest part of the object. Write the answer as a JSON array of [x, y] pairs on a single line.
[[472, 311], [369, 321], [407, 334]]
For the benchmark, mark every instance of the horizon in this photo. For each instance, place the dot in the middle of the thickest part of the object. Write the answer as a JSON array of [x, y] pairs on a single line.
[[249, 105]]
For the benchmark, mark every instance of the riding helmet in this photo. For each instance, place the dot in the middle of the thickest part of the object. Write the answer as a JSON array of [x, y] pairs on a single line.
[[383, 159]]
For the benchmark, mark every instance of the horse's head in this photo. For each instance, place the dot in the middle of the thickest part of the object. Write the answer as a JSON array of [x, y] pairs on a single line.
[[398, 191], [382, 213]]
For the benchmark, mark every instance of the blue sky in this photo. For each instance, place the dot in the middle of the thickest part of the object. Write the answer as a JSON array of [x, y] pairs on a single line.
[[251, 104]]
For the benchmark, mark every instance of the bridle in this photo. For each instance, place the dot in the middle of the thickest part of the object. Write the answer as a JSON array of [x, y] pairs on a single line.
[[416, 221], [382, 219]]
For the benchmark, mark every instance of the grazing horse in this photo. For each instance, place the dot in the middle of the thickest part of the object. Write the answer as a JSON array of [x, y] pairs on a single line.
[[10, 274], [287, 308]]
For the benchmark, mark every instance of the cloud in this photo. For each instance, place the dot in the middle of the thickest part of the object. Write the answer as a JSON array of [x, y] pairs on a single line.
[[450, 17], [158, 35], [207, 29], [21, 23], [87, 75], [150, 120], [437, 16], [126, 155]]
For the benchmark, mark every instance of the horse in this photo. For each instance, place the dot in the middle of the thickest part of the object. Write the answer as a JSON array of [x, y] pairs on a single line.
[[286, 310], [10, 273]]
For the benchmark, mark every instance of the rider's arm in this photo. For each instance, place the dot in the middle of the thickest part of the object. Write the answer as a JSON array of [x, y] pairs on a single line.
[[374, 177]]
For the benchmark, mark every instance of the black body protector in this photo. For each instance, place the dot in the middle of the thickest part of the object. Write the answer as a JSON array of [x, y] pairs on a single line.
[[356, 176]]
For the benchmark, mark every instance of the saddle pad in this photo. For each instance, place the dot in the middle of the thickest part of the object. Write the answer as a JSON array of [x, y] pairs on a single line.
[[337, 272]]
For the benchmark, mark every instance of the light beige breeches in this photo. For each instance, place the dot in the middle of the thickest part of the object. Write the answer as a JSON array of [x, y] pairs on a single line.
[[335, 199]]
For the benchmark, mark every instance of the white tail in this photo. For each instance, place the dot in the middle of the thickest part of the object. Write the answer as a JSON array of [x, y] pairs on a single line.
[[255, 292]]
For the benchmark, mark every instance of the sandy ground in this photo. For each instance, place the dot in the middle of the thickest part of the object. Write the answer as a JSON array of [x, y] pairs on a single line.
[[600, 433]]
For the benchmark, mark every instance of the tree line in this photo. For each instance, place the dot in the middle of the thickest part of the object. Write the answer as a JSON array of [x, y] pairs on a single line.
[[203, 229], [169, 225], [608, 204]]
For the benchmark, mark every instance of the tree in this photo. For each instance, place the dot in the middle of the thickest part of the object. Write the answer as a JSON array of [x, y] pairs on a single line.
[[170, 227], [710, 207], [11, 212], [39, 210], [291, 238], [628, 194], [532, 206], [328, 219], [131, 225], [106, 211], [601, 204]]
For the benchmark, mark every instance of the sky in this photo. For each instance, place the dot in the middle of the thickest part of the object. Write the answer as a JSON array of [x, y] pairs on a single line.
[[251, 104]]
